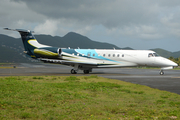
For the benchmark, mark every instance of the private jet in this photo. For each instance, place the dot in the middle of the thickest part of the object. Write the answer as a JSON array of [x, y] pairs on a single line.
[[88, 59]]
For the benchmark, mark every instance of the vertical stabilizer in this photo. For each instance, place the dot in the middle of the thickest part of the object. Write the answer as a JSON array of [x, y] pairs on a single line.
[[29, 41]]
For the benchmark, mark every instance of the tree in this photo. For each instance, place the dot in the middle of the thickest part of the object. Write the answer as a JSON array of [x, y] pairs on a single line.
[[176, 60]]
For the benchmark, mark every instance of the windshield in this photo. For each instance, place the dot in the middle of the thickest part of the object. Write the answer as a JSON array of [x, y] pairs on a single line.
[[153, 55]]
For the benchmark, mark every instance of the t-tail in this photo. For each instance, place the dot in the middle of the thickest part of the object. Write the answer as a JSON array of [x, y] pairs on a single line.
[[35, 49]]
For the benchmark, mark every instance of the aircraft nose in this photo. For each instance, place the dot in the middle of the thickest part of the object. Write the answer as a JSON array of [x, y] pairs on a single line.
[[175, 64], [171, 63], [166, 62]]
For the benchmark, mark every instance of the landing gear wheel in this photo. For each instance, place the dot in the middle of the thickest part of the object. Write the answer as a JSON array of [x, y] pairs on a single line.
[[86, 71], [161, 73], [73, 71]]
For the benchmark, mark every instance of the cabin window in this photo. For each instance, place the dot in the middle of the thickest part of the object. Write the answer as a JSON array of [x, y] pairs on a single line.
[[122, 55], [117, 55], [109, 55], [113, 55], [104, 55], [93, 54]]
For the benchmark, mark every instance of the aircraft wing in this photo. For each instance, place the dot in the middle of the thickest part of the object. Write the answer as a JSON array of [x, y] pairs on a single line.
[[65, 62]]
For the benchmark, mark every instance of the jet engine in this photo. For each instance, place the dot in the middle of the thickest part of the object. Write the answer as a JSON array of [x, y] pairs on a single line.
[[48, 52]]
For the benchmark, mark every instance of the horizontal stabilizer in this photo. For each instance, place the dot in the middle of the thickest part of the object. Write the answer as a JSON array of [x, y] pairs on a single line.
[[19, 30]]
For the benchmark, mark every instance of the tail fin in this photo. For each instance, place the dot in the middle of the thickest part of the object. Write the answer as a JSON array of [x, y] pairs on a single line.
[[29, 41]]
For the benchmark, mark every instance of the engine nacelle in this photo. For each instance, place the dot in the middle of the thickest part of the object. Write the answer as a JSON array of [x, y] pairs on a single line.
[[48, 52]]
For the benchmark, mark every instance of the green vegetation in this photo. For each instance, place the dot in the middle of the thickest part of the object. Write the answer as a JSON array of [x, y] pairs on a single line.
[[9, 55], [176, 60], [83, 97]]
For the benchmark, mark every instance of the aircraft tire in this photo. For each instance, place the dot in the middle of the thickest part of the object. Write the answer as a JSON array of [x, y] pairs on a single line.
[[86, 71], [73, 71], [161, 73]]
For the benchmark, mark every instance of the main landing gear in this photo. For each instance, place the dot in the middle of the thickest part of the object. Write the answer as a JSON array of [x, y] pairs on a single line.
[[86, 71], [73, 71], [77, 67]]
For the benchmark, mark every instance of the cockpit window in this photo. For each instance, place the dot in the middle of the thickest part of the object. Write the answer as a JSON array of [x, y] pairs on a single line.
[[155, 54], [150, 55]]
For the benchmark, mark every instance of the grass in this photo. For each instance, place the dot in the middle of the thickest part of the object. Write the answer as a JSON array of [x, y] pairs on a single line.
[[83, 97]]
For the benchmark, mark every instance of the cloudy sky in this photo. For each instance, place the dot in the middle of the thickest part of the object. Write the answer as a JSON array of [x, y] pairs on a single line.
[[140, 24]]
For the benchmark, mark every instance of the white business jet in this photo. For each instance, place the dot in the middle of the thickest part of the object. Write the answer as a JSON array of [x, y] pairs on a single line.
[[88, 59]]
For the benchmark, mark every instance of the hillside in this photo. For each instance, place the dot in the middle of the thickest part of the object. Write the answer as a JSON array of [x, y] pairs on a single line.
[[11, 55], [11, 49], [166, 53], [162, 52], [176, 54], [73, 40]]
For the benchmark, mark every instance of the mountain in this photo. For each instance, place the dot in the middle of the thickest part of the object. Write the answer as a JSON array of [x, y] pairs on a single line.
[[73, 40], [176, 54], [162, 52], [166, 53], [9, 54], [11, 49]]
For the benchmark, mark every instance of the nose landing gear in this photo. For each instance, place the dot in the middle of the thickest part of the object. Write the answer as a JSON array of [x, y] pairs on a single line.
[[161, 72]]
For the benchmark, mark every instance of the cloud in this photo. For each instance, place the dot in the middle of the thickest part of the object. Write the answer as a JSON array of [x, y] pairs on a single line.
[[109, 13], [116, 14], [48, 27], [146, 20], [11, 11], [17, 15]]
